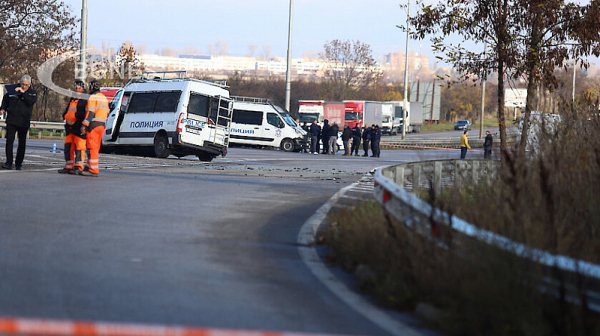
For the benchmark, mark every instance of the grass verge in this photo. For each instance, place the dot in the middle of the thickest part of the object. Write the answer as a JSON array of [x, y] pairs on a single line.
[[470, 288]]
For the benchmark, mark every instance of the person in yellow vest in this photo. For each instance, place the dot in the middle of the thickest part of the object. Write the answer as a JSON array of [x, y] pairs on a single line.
[[464, 145], [93, 127], [75, 141]]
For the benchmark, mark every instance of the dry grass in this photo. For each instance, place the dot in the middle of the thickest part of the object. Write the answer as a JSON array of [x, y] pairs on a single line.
[[549, 199]]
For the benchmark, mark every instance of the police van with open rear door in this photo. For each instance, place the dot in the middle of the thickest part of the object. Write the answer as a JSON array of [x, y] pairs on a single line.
[[261, 122], [178, 116]]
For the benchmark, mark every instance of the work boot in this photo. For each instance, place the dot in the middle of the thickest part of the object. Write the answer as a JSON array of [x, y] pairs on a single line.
[[74, 172], [18, 167], [88, 173], [6, 166], [64, 171]]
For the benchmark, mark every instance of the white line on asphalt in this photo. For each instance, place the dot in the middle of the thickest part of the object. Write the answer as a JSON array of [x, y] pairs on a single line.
[[308, 253]]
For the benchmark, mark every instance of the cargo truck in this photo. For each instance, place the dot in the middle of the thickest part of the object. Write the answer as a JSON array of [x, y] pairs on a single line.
[[414, 116], [310, 110]]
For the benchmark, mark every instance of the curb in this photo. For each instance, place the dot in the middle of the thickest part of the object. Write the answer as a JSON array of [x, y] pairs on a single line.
[[308, 253]]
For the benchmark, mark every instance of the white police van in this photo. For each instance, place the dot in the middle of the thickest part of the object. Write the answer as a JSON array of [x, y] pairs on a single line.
[[261, 122], [178, 116]]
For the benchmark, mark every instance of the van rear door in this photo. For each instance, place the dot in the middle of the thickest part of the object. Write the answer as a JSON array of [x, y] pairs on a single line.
[[207, 120]]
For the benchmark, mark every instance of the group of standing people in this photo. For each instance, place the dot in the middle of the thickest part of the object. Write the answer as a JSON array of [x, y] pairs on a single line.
[[328, 134], [85, 120], [487, 145]]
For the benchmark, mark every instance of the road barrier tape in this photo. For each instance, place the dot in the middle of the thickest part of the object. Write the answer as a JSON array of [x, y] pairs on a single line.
[[46, 327]]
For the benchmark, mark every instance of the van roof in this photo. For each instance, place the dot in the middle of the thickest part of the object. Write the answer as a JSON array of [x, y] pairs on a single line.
[[179, 84]]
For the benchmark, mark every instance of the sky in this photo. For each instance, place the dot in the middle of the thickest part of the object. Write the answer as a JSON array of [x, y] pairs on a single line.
[[240, 23]]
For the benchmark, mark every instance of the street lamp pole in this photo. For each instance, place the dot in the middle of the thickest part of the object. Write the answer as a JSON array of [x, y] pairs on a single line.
[[288, 75], [483, 80], [406, 74], [83, 46]]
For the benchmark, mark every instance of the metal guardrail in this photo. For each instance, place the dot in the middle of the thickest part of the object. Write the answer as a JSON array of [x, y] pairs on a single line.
[[445, 142], [393, 186], [53, 127]]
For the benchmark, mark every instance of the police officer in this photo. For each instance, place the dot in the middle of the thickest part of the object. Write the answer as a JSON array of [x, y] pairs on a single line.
[[356, 135], [375, 138], [366, 139]]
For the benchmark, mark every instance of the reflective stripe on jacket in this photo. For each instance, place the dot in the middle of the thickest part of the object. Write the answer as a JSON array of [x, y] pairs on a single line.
[[96, 111]]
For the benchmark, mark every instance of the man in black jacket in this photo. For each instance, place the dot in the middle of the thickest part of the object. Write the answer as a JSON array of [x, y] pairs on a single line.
[[487, 145], [325, 136], [366, 139], [333, 135], [315, 133], [356, 135], [346, 136], [375, 138], [18, 104]]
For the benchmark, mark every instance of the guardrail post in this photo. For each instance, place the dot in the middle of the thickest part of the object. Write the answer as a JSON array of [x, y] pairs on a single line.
[[39, 133], [437, 177], [458, 174], [387, 173], [399, 178], [416, 177], [475, 171]]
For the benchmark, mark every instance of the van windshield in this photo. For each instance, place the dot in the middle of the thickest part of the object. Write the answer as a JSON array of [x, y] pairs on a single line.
[[113, 103], [288, 119], [308, 118]]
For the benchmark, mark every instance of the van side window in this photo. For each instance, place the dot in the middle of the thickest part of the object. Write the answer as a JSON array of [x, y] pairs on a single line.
[[142, 102], [273, 119], [167, 101], [198, 105], [247, 117], [214, 109]]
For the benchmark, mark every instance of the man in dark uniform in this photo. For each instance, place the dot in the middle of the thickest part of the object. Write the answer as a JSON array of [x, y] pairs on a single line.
[[325, 136], [375, 138], [366, 139], [315, 133], [487, 145], [356, 135], [346, 136], [18, 103]]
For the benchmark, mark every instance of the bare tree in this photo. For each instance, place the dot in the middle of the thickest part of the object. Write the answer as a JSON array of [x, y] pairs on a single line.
[[266, 53], [252, 50], [350, 66], [29, 29], [221, 48]]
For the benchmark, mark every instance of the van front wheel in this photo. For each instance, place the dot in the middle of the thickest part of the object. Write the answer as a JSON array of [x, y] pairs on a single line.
[[161, 147], [287, 145]]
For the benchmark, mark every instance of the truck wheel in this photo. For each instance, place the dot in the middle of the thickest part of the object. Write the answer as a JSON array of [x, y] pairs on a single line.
[[161, 144], [205, 157], [287, 145]]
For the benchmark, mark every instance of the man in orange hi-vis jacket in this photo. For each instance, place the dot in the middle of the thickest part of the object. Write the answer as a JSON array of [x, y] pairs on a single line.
[[75, 141], [93, 126]]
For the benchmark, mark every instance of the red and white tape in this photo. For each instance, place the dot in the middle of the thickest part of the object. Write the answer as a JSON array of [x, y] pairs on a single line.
[[23, 326]]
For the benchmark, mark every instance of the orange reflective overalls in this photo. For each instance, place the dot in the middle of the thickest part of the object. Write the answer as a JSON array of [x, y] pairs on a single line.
[[75, 141], [95, 121]]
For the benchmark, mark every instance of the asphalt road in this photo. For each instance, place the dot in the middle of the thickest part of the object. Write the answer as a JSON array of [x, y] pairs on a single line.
[[175, 241]]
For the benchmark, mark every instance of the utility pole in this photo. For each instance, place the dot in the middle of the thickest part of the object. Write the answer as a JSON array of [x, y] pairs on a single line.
[[406, 73], [83, 46], [574, 72], [483, 80], [288, 75]]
